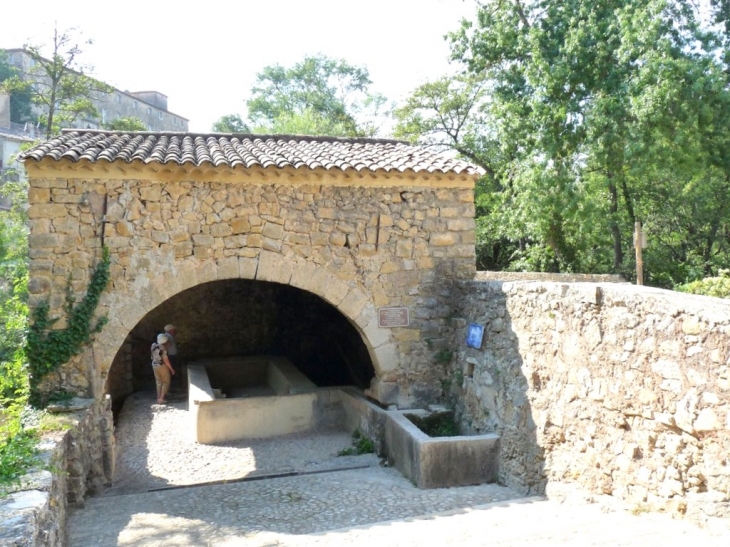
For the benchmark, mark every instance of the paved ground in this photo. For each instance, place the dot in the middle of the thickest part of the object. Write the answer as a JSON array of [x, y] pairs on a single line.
[[327, 500], [156, 448]]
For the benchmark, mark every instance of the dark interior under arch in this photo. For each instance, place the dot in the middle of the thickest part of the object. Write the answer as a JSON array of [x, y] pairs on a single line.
[[245, 318]]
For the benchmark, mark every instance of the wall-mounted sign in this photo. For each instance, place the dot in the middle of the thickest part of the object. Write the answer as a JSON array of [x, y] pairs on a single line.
[[474, 335], [393, 317]]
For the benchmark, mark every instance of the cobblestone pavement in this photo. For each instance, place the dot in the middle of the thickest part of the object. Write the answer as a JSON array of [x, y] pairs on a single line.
[[374, 506], [371, 505], [290, 506], [155, 448]]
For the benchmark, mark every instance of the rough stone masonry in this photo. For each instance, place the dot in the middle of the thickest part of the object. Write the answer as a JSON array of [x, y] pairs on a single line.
[[613, 389], [617, 390], [359, 240]]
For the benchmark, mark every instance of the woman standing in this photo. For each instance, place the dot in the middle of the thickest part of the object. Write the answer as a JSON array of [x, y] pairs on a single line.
[[161, 366]]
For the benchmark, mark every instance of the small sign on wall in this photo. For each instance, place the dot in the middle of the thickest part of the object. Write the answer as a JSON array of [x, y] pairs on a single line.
[[393, 317], [474, 335]]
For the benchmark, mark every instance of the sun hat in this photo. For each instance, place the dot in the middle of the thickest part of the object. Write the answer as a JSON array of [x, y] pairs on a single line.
[[162, 338]]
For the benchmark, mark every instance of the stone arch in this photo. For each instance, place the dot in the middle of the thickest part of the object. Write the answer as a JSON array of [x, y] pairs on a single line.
[[352, 302]]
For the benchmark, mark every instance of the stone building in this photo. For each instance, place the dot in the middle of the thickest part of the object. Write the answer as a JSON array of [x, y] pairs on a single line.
[[10, 145], [336, 253], [354, 258], [148, 106], [11, 142]]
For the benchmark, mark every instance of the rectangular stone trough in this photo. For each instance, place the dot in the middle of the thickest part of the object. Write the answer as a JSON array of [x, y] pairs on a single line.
[[269, 397], [429, 462], [278, 400], [439, 462]]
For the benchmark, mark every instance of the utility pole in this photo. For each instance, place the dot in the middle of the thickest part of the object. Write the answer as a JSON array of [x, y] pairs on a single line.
[[639, 244]]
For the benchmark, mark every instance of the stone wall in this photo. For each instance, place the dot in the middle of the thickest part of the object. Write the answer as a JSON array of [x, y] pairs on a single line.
[[360, 244], [548, 276], [77, 462], [612, 389], [4, 112]]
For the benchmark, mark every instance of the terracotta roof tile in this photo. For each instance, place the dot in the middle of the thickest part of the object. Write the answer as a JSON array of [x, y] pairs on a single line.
[[247, 151]]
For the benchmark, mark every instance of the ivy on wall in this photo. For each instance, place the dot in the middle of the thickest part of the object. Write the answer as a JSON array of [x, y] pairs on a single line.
[[46, 348]]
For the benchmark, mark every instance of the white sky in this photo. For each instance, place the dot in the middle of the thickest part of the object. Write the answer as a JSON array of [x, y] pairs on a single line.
[[205, 55]]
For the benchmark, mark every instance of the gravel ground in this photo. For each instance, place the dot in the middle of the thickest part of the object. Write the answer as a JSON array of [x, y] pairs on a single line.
[[156, 448]]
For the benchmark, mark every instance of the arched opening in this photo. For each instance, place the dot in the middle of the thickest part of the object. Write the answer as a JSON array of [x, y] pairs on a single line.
[[238, 317]]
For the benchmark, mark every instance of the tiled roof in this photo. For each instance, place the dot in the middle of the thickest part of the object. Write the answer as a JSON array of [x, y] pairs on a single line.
[[244, 151]]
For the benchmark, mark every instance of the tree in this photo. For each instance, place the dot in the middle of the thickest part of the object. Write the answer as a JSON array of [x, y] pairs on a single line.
[[307, 122], [58, 85], [319, 95], [596, 112], [454, 113], [449, 113], [129, 123], [230, 123], [20, 104]]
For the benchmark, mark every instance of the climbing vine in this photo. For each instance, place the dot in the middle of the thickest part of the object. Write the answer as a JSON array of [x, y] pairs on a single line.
[[46, 348]]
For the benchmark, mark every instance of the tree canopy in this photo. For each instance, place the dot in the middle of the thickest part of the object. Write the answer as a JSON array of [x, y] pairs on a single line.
[[317, 96], [230, 123], [589, 116], [128, 123]]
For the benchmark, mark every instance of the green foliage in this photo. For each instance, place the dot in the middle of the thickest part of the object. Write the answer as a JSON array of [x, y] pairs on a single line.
[[304, 123], [18, 447], [443, 356], [48, 348], [50, 422], [452, 382], [709, 286], [17, 442], [448, 113], [438, 424], [586, 117], [19, 425], [13, 297], [230, 123], [129, 123], [458, 377], [58, 85], [317, 96], [360, 445]]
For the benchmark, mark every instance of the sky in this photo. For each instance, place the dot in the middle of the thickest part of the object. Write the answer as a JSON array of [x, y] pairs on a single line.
[[205, 55]]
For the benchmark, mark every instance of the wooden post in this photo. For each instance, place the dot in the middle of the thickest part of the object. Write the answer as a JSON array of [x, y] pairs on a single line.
[[638, 240]]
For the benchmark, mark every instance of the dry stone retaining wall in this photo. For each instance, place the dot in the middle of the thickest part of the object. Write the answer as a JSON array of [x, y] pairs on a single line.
[[77, 462], [359, 247], [614, 389]]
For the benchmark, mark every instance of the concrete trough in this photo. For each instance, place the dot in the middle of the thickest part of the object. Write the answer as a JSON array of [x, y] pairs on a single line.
[[428, 462], [439, 462], [277, 400], [297, 405]]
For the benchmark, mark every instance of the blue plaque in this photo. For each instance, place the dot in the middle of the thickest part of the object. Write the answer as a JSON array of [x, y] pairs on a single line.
[[474, 335]]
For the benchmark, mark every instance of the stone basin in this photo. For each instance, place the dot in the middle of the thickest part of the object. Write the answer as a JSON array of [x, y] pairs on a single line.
[[439, 462], [254, 397]]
